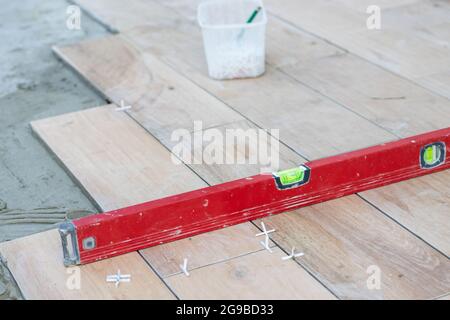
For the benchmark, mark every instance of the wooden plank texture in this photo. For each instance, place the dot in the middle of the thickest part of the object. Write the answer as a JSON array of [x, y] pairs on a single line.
[[413, 40], [364, 259], [36, 264], [385, 99], [291, 106], [119, 164], [151, 88], [110, 140], [203, 250], [115, 135], [241, 278], [421, 204], [191, 64], [119, 17], [343, 240]]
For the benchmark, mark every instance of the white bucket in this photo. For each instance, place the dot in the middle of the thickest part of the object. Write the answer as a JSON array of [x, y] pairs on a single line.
[[234, 48]]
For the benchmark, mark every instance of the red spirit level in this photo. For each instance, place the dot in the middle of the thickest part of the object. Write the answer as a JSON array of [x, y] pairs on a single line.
[[155, 222]]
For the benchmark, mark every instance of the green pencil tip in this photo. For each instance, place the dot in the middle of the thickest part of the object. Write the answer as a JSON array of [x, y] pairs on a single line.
[[254, 13]]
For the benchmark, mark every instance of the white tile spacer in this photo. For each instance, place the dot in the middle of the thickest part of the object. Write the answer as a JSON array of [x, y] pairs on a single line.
[[265, 231], [183, 267], [118, 278], [265, 243], [293, 255], [122, 107]]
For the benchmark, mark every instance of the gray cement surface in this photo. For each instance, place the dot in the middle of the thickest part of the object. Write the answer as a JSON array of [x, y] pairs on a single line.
[[34, 84]]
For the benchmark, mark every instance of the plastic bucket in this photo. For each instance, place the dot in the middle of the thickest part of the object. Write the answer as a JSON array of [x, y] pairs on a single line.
[[234, 47]]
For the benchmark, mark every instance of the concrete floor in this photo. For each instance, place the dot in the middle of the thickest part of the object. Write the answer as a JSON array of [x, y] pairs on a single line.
[[35, 85]]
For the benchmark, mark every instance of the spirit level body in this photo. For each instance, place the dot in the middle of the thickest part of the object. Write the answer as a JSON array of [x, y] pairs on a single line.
[[179, 216]]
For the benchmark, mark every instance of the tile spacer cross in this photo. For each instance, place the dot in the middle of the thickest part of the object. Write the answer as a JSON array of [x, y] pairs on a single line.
[[183, 267], [265, 243], [293, 255], [265, 231], [118, 278], [122, 107]]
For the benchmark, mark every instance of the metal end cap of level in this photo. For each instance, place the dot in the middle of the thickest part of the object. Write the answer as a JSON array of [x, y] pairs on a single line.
[[70, 251]]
